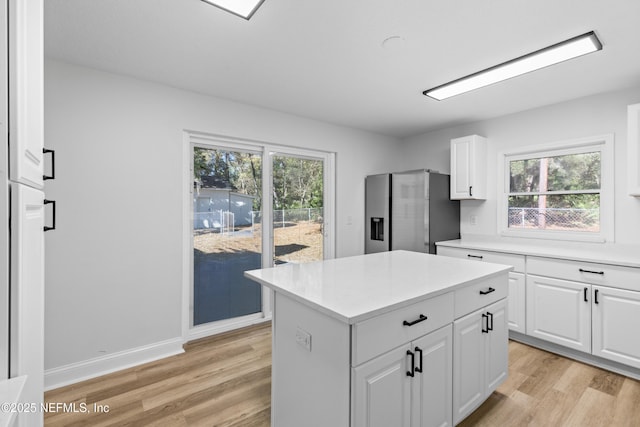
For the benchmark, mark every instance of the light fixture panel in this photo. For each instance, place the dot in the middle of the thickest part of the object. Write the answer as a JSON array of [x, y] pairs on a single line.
[[243, 8], [560, 52]]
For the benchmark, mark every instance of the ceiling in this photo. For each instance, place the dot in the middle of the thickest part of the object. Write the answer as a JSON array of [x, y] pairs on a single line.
[[326, 59]]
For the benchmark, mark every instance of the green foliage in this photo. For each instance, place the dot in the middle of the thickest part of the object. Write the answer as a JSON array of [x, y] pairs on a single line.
[[297, 182]]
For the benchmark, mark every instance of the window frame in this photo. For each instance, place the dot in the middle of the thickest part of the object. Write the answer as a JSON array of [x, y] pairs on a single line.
[[601, 143]]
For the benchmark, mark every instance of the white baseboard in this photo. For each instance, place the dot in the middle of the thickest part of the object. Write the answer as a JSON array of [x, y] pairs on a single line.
[[227, 325], [80, 371]]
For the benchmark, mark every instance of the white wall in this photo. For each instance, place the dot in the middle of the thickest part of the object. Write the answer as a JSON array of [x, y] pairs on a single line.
[[114, 263], [589, 116]]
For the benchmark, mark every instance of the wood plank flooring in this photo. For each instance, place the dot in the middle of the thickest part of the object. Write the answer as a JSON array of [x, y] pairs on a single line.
[[225, 381]]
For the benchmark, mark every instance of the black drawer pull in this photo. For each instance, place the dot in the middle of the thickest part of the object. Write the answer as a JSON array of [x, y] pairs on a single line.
[[53, 164], [470, 191], [485, 331], [590, 271], [489, 316], [585, 294], [474, 256], [412, 372], [487, 291], [595, 297], [53, 225], [422, 318]]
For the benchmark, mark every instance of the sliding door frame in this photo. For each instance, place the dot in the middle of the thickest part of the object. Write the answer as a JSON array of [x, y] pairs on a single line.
[[199, 139]]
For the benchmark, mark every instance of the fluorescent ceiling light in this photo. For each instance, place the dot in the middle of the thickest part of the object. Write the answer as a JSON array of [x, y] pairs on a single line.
[[559, 52], [242, 8]]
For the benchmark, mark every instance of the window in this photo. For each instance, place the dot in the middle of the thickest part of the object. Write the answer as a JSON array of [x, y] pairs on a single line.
[[562, 191]]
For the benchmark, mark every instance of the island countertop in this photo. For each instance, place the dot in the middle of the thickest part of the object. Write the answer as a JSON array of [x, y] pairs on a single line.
[[353, 289]]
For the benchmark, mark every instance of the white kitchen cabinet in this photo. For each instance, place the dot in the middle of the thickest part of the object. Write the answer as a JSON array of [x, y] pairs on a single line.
[[468, 168], [517, 302], [480, 357], [517, 287], [26, 92], [633, 149], [615, 313], [559, 311], [408, 386]]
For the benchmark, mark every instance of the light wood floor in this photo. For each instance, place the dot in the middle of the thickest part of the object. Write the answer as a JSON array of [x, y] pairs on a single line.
[[225, 381]]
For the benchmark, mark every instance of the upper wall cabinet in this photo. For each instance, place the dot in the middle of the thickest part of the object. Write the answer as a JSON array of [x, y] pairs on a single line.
[[26, 92], [468, 168], [633, 144]]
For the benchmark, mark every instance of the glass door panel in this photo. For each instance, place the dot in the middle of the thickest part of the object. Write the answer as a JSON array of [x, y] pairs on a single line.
[[298, 199], [227, 233]]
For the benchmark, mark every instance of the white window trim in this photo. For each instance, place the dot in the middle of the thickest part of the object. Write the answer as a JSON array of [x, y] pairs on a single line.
[[602, 143], [194, 138]]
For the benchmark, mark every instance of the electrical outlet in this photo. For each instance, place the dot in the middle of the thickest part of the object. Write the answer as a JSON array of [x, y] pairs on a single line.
[[303, 338]]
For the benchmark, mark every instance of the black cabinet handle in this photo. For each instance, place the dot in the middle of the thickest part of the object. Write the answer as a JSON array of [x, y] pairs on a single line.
[[595, 297], [53, 164], [489, 316], [53, 225], [422, 318], [590, 271], [485, 331], [488, 291], [419, 350], [412, 372], [585, 294], [474, 256], [470, 192]]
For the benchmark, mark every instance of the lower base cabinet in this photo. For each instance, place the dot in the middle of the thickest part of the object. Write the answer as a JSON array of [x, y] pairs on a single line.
[[615, 313], [408, 386], [480, 361]]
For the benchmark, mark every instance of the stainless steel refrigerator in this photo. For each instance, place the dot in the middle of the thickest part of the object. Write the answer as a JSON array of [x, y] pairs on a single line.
[[409, 210]]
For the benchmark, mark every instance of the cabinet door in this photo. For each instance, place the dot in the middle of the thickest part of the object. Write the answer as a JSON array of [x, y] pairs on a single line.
[[460, 168], [517, 302], [468, 365], [496, 346], [382, 391], [26, 91], [468, 167], [616, 312], [559, 311], [432, 388], [27, 295]]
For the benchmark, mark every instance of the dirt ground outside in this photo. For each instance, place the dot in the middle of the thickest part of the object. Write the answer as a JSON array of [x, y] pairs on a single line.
[[295, 242]]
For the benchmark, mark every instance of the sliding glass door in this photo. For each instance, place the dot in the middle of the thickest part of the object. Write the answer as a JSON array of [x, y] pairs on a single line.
[[251, 206], [298, 200], [227, 233]]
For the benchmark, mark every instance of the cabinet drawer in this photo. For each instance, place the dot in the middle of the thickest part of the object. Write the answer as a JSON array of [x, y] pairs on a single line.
[[517, 261], [387, 331], [587, 272], [480, 294]]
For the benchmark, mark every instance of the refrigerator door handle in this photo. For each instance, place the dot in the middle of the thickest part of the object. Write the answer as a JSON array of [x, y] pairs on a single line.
[[53, 225]]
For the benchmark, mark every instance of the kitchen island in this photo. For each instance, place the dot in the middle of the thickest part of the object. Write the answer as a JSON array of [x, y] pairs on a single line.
[[389, 339]]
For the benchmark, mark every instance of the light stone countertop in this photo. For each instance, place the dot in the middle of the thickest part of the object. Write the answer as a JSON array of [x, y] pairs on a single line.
[[354, 289], [603, 253]]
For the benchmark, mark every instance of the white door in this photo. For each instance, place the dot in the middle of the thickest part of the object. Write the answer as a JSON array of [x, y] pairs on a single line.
[[432, 387], [382, 391], [559, 311], [615, 313], [497, 346], [27, 295], [26, 82], [468, 364], [517, 302]]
